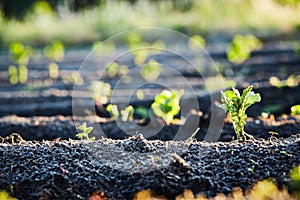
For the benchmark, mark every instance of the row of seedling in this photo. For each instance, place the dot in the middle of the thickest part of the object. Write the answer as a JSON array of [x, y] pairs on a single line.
[[21, 54], [238, 51]]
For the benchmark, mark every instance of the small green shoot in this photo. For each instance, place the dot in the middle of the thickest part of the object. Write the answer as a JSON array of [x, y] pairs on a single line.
[[166, 105], [85, 132], [241, 46], [53, 70], [54, 52], [104, 48], [142, 111], [140, 94], [114, 69], [236, 105], [295, 110], [101, 92], [151, 70], [74, 78], [20, 54], [291, 81], [13, 74], [126, 113], [140, 56], [197, 42], [113, 110]]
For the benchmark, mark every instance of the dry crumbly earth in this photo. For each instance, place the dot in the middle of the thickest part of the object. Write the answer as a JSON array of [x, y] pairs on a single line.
[[120, 168]]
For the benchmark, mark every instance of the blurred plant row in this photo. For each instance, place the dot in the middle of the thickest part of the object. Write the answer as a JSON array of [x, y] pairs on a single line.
[[238, 51], [75, 22], [20, 55]]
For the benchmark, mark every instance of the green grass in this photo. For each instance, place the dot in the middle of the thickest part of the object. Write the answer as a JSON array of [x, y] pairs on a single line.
[[205, 17]]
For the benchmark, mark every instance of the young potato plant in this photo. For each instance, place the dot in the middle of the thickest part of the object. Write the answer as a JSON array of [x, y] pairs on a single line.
[[236, 105], [101, 92], [114, 69], [166, 105], [85, 132], [241, 46], [295, 110], [54, 52], [126, 113], [291, 81], [197, 42], [20, 54], [151, 70]]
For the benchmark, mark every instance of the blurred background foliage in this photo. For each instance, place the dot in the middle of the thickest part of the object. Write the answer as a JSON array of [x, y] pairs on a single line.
[[38, 22]]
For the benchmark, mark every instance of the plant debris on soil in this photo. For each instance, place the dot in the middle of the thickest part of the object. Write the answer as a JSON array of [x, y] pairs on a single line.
[[120, 168]]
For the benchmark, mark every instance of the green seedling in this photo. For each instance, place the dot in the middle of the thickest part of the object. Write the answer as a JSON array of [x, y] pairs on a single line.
[[74, 78], [113, 111], [166, 105], [114, 69], [295, 110], [104, 48], [20, 54], [151, 70], [140, 94], [126, 113], [236, 105], [142, 111], [55, 53], [241, 46], [13, 74], [53, 70], [85, 132], [101, 92], [197, 42], [291, 81], [134, 39], [140, 56]]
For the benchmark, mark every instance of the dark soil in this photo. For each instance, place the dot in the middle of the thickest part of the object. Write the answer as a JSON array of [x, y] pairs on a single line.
[[74, 169]]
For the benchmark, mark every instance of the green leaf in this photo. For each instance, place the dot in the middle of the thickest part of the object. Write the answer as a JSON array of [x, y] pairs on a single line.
[[113, 110], [166, 105], [151, 70], [230, 94], [79, 135], [236, 106], [82, 127], [251, 98], [88, 130]]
